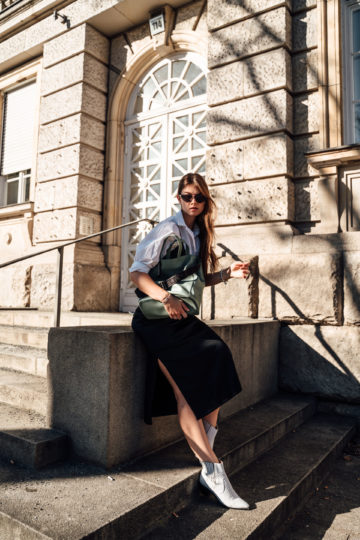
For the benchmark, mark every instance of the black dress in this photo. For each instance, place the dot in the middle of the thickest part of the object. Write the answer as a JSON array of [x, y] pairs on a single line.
[[198, 360]]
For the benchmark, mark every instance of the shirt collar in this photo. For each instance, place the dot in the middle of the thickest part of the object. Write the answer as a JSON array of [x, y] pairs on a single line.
[[179, 220]]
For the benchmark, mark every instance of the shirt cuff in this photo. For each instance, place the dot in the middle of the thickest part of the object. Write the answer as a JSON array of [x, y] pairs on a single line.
[[139, 267]]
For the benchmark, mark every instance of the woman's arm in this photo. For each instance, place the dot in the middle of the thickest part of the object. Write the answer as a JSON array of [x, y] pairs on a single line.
[[236, 270], [176, 308]]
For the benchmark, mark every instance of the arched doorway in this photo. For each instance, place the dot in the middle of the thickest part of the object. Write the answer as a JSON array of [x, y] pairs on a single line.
[[165, 137]]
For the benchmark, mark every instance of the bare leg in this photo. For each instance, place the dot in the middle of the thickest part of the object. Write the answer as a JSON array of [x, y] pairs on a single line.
[[192, 427], [212, 417]]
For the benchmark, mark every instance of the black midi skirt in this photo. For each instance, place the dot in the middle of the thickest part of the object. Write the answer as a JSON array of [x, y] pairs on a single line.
[[198, 360]]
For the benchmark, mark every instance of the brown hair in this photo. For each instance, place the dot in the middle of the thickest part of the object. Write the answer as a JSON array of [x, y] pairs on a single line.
[[205, 221]]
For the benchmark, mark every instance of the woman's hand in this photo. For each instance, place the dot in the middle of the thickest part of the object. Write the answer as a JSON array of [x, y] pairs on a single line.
[[239, 270], [177, 309]]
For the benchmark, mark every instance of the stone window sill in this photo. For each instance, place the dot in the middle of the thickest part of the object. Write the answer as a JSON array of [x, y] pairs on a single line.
[[16, 210], [334, 157]]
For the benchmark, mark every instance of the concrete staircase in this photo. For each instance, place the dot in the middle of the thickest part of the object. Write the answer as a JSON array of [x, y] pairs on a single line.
[[24, 436], [277, 451]]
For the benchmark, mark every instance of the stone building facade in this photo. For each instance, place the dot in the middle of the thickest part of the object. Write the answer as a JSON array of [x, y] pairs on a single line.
[[282, 157]]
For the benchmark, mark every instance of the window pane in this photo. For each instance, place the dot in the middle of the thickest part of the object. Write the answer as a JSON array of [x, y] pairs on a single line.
[[161, 74], [12, 192], [357, 78], [192, 72], [27, 189], [356, 31], [177, 67], [200, 87], [357, 122]]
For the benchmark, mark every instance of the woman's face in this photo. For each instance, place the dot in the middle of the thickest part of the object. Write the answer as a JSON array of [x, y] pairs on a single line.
[[192, 208]]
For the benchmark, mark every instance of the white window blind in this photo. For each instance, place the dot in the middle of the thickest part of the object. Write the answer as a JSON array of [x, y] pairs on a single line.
[[18, 128]]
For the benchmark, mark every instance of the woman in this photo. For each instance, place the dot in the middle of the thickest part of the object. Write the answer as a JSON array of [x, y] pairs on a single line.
[[186, 355]]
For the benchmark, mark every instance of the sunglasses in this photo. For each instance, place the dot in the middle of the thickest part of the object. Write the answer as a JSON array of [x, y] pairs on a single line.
[[187, 197]]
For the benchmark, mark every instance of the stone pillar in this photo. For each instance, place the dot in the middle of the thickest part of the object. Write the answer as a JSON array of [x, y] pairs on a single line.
[[250, 122], [69, 192]]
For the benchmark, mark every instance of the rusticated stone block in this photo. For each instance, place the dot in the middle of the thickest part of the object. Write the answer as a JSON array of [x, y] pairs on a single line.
[[253, 158], [71, 160], [305, 30], [225, 83], [248, 117], [321, 360], [70, 130], [301, 287], [221, 12], [91, 288], [78, 98], [256, 201], [271, 29], [305, 71], [79, 68], [352, 288], [81, 38], [302, 145], [225, 163], [55, 225], [238, 298], [251, 76], [268, 156], [43, 286], [15, 285], [306, 201], [267, 71], [306, 113], [68, 192]]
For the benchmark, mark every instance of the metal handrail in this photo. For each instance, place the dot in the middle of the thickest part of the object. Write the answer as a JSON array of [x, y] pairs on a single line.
[[60, 260]]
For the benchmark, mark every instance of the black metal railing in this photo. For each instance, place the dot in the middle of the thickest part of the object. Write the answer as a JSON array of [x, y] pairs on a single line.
[[60, 260]]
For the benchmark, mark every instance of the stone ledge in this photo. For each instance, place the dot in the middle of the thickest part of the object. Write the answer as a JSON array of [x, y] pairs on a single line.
[[291, 287], [321, 361], [107, 362]]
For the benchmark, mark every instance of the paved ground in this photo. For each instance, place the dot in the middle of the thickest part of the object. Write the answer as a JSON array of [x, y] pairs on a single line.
[[333, 513]]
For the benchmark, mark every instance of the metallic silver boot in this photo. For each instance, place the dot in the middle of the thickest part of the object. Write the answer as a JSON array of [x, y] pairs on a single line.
[[211, 432], [214, 478]]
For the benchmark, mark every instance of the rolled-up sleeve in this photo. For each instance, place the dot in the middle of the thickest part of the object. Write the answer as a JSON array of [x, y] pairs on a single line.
[[148, 251]]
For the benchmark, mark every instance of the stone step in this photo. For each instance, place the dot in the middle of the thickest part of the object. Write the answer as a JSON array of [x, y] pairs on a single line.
[[31, 317], [25, 336], [25, 439], [276, 486], [25, 359], [23, 390], [77, 500]]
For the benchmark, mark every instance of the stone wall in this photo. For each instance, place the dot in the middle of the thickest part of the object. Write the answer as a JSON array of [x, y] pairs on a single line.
[[267, 110]]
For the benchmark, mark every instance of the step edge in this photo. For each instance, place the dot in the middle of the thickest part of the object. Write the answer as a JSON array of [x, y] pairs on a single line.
[[331, 455]]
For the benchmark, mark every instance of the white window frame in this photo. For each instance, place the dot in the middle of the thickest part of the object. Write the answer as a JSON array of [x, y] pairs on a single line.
[[23, 75], [348, 9]]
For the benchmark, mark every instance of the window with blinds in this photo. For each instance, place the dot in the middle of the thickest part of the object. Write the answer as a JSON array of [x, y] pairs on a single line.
[[17, 143]]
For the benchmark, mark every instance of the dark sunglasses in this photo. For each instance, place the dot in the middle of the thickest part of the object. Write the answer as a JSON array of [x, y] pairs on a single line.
[[187, 197]]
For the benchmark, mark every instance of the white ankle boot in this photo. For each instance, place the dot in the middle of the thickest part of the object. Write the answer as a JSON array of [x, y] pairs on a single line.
[[214, 478], [211, 432]]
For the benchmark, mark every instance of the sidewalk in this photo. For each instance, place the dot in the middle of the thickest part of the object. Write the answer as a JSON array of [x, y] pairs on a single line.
[[333, 513]]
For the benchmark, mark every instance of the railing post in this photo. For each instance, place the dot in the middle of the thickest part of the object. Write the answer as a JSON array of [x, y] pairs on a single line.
[[58, 286]]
